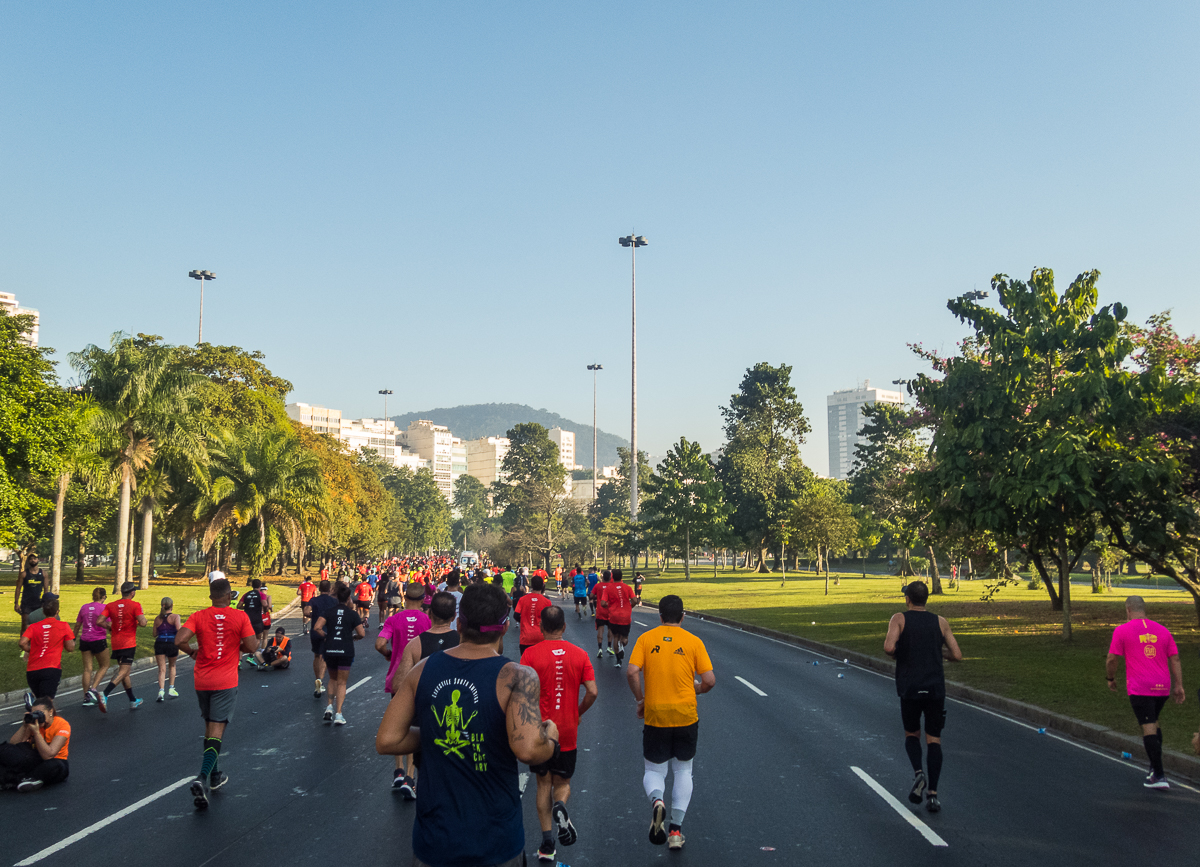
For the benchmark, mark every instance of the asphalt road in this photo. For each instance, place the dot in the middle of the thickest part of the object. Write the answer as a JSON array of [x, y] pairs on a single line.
[[776, 778]]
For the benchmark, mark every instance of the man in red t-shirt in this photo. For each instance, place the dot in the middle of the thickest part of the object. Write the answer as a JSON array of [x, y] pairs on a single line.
[[598, 593], [529, 613], [562, 668], [123, 617], [618, 602], [223, 634], [363, 593], [43, 643], [306, 591]]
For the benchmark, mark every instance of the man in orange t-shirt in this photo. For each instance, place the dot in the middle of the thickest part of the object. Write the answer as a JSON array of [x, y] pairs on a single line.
[[529, 613], [43, 643], [123, 617], [222, 633]]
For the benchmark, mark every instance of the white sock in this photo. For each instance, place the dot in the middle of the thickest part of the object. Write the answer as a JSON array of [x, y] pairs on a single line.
[[654, 781], [681, 789]]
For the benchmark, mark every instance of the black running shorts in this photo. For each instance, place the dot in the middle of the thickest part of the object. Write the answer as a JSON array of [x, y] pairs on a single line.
[[563, 765], [934, 710], [94, 646], [43, 682], [166, 648], [124, 656], [621, 629], [661, 744], [1147, 707]]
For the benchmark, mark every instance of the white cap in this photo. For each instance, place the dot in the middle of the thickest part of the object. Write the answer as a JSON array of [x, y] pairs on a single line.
[[215, 575]]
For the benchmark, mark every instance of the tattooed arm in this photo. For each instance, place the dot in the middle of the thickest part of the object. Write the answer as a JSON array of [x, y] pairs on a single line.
[[519, 693]]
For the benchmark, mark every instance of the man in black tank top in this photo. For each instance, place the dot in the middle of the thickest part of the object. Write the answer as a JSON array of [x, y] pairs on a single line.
[[919, 640]]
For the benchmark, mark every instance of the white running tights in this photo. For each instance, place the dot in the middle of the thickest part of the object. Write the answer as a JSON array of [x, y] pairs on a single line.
[[654, 781]]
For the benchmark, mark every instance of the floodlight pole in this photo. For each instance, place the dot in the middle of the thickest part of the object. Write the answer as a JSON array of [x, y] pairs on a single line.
[[633, 242], [201, 276], [385, 392], [593, 368]]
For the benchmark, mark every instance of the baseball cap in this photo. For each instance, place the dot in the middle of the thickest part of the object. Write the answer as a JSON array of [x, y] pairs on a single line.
[[128, 587]]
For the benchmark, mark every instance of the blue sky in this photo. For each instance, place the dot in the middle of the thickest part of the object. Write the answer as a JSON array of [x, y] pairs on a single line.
[[427, 197]]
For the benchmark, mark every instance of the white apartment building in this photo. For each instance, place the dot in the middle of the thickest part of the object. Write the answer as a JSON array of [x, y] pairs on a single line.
[[846, 421], [357, 434], [484, 457], [434, 443], [458, 459], [565, 440], [318, 418], [8, 302]]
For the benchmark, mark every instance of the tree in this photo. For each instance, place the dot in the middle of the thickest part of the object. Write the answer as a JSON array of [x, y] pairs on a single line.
[[239, 390], [821, 519], [609, 512], [145, 410], [1023, 416], [760, 467], [683, 497], [532, 490], [425, 512], [471, 500]]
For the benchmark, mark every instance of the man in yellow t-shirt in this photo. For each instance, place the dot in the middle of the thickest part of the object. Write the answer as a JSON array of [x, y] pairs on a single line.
[[669, 658]]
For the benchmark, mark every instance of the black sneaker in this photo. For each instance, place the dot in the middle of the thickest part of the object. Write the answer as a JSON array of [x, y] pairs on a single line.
[[658, 815], [566, 830], [199, 790], [917, 793], [408, 790], [29, 785], [932, 804], [1156, 781], [546, 851], [217, 779], [398, 780]]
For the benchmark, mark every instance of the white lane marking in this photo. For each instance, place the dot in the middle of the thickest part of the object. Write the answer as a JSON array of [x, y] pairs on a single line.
[[747, 683], [905, 813], [639, 623], [351, 689], [92, 829]]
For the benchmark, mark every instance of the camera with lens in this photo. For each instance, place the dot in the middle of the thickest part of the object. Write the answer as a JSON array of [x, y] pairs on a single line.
[[35, 717]]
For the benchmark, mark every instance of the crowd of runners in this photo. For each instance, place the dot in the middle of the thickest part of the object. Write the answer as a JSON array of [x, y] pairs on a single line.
[[462, 715]]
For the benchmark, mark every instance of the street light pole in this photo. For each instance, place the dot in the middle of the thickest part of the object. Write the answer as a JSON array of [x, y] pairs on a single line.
[[385, 392], [593, 368], [633, 242], [201, 276]]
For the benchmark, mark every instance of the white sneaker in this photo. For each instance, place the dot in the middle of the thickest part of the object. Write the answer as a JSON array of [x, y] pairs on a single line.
[[328, 717], [339, 720]]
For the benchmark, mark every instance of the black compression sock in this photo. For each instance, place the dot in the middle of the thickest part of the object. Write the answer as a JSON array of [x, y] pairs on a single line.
[[912, 746], [1154, 751], [129, 692], [548, 836], [212, 752], [935, 765], [108, 689]]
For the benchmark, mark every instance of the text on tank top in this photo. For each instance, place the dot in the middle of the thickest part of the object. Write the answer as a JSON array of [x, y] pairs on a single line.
[[919, 672]]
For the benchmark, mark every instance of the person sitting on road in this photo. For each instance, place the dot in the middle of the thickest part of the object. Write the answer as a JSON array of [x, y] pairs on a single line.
[[36, 754], [278, 652]]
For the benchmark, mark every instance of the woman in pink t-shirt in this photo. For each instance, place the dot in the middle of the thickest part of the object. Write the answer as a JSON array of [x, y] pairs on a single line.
[[93, 641]]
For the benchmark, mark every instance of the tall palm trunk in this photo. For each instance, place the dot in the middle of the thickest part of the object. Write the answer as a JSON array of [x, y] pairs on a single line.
[[56, 557], [147, 543], [80, 553], [122, 528], [132, 544]]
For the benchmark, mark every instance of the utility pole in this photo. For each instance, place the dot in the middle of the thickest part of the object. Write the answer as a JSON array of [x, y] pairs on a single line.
[[201, 276], [633, 242], [593, 368]]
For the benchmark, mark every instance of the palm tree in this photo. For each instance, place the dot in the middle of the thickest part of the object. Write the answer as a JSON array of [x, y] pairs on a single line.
[[78, 459], [266, 486], [154, 488], [145, 404]]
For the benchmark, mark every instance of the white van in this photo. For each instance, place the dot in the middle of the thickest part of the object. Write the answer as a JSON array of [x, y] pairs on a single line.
[[468, 560]]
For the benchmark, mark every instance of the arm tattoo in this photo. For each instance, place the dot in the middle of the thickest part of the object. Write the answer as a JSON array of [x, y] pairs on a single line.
[[526, 692]]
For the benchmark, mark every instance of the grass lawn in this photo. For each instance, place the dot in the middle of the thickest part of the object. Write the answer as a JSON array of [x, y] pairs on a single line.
[[189, 591], [1012, 646]]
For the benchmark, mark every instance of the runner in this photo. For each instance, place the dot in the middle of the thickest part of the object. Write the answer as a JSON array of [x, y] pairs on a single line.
[[123, 617], [252, 603], [166, 625], [43, 645], [592, 580], [638, 580], [339, 628], [1152, 674], [220, 632], [601, 614], [320, 605], [93, 641], [477, 714], [562, 668], [306, 591], [364, 591], [32, 585], [393, 597], [393, 639], [669, 657], [618, 605], [919, 640], [278, 652], [454, 588], [579, 585], [529, 614]]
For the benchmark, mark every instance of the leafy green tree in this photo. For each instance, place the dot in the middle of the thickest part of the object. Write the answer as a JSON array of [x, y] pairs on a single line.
[[609, 513], [471, 500], [684, 498], [760, 467], [822, 520], [146, 406], [532, 492], [426, 514], [239, 390]]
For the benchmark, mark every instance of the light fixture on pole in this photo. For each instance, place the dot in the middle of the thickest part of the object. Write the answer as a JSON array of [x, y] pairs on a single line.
[[201, 276], [593, 368], [633, 242], [385, 392]]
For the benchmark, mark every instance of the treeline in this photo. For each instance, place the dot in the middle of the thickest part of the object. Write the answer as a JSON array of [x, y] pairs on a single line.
[[160, 449]]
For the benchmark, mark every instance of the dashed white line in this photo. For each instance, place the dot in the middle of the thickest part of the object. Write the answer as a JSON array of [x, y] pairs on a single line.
[[906, 814], [91, 829], [747, 683], [351, 689], [639, 623]]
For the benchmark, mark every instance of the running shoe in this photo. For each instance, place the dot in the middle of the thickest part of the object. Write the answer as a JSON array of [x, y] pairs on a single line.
[[262, 666], [135, 704], [599, 654], [1156, 781], [932, 804], [29, 785], [675, 840], [621, 655], [398, 780], [162, 695], [408, 789], [546, 852], [318, 688], [172, 692], [616, 663], [339, 720], [917, 794], [199, 790], [217, 779], [101, 701], [658, 815], [328, 717], [610, 651], [88, 700], [566, 830]]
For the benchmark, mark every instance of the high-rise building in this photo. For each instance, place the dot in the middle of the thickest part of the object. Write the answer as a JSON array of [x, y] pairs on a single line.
[[8, 302], [434, 443], [318, 418], [565, 440], [846, 421], [458, 459], [484, 457], [357, 434]]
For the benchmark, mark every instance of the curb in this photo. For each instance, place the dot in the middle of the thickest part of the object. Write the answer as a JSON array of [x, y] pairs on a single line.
[[1180, 764], [17, 696]]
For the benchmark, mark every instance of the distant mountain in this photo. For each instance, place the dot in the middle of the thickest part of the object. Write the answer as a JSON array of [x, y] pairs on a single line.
[[496, 419]]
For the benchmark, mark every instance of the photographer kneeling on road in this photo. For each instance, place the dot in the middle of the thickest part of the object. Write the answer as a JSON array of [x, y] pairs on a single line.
[[36, 755]]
